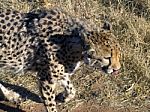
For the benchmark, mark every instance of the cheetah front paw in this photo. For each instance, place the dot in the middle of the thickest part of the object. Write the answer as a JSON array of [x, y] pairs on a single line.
[[14, 97], [63, 97], [60, 98], [10, 95]]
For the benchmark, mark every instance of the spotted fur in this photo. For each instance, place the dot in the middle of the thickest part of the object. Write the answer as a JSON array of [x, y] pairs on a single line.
[[53, 44]]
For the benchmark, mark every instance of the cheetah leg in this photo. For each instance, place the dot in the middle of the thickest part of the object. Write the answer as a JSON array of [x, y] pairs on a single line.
[[69, 92], [10, 95], [47, 87]]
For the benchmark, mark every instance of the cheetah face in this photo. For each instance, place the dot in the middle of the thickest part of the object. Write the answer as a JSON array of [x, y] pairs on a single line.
[[110, 63], [105, 52], [108, 60]]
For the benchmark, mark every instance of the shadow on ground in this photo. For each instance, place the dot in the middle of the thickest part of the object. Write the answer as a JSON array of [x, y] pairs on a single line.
[[25, 94], [35, 106], [5, 107]]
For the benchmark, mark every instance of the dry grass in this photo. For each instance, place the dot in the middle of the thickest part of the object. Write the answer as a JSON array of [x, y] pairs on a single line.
[[130, 21]]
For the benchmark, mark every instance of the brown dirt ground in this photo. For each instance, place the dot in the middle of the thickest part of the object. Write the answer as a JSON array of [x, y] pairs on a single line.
[[84, 107]]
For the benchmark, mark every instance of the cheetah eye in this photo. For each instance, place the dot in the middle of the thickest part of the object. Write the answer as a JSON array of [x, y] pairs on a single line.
[[107, 58], [99, 59]]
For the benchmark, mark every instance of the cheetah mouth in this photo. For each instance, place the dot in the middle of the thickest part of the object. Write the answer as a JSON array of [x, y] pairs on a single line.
[[96, 65], [112, 71], [115, 72]]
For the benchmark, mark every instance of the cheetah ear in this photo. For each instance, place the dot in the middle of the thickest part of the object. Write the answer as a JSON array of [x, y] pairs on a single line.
[[107, 26]]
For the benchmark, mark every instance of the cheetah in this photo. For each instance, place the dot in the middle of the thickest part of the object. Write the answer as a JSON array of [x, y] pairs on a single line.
[[54, 45]]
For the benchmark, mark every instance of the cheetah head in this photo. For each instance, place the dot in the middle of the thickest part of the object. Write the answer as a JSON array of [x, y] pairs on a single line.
[[104, 51]]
